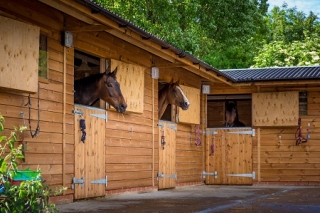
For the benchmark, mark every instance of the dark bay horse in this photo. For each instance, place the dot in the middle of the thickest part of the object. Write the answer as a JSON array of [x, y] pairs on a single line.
[[172, 94], [232, 118], [103, 86]]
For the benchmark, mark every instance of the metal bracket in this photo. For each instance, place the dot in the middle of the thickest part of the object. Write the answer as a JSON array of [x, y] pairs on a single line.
[[252, 175], [78, 181], [249, 132], [160, 175], [102, 116], [174, 127], [160, 125], [100, 181], [214, 174], [210, 132], [77, 112]]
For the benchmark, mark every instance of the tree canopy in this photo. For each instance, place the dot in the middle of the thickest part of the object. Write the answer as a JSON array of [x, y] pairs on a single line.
[[227, 33]]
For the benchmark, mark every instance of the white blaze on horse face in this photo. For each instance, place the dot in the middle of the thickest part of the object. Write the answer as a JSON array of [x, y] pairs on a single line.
[[185, 99]]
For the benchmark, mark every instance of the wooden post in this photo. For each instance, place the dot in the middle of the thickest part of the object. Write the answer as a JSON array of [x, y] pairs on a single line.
[[64, 116], [102, 70]]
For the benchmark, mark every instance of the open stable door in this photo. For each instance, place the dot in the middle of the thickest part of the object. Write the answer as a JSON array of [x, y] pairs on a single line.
[[90, 176], [167, 158], [229, 156]]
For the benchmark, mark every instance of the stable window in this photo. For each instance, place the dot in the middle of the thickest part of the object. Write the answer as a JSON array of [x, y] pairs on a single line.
[[217, 107], [303, 103], [43, 56], [84, 65], [177, 114]]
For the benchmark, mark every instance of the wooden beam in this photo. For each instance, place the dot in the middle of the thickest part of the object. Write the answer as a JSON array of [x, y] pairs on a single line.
[[88, 28]]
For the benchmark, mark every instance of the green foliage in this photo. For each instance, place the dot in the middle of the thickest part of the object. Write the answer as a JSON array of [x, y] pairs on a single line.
[[29, 196], [226, 33], [296, 53], [293, 39], [216, 31]]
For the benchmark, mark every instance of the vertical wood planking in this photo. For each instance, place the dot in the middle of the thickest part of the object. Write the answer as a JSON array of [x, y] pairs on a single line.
[[90, 154], [131, 80], [192, 115], [19, 42]]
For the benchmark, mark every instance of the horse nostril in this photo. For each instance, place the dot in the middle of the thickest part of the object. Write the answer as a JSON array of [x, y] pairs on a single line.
[[123, 106], [186, 104]]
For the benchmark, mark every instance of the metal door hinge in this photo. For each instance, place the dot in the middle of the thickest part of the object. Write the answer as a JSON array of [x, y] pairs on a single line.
[[172, 176], [252, 175], [214, 174], [78, 181], [77, 112], [160, 175], [100, 181]]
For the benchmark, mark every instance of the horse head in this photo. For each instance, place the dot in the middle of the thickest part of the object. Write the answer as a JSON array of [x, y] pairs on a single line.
[[231, 113], [232, 118], [172, 94], [110, 91], [176, 96]]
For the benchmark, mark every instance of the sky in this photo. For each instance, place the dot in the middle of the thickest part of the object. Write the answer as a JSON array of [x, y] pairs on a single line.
[[302, 5]]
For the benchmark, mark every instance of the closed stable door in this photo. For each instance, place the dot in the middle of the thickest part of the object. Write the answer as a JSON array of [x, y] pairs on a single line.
[[90, 177], [229, 156], [167, 155]]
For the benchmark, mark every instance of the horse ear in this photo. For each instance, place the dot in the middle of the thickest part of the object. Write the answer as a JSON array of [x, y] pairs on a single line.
[[177, 82], [115, 71]]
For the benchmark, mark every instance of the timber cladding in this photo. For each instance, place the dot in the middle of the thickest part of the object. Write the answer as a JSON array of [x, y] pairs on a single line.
[[277, 158]]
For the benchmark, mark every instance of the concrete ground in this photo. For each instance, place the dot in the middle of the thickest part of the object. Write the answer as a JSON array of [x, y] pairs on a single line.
[[207, 199]]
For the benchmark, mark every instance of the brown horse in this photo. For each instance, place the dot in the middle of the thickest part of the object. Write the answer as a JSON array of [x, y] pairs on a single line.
[[172, 94], [102, 85], [232, 118]]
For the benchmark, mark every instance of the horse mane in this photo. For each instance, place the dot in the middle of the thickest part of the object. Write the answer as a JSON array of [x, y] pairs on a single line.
[[86, 84], [162, 94]]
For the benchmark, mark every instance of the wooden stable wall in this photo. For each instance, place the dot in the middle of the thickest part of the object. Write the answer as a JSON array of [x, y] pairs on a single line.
[[277, 158], [53, 149]]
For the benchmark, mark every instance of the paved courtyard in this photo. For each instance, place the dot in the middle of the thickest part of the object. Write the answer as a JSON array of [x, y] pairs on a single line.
[[207, 199]]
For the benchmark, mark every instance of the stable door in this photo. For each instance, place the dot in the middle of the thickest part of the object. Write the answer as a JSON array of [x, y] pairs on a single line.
[[167, 155], [229, 156], [90, 177]]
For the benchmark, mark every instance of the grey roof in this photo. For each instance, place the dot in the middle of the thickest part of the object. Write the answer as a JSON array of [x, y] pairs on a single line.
[[273, 73]]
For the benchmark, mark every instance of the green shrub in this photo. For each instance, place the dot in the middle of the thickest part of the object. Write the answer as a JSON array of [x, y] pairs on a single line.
[[28, 196]]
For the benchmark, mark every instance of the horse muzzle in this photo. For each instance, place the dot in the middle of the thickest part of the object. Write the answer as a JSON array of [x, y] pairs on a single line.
[[184, 105], [122, 108]]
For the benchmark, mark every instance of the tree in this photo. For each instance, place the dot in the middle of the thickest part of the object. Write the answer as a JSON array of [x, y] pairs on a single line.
[[293, 39], [224, 33], [296, 53]]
